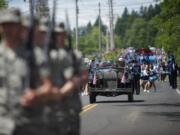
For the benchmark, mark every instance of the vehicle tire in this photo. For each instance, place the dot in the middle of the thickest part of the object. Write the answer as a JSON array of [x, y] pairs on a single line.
[[130, 97], [138, 87], [133, 85], [92, 98], [138, 91]]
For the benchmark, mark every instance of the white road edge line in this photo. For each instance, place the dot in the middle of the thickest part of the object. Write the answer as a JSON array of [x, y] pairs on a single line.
[[178, 91]]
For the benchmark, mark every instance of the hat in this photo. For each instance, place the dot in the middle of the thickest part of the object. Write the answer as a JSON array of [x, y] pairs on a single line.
[[120, 59], [59, 28], [43, 24], [26, 21], [11, 15]]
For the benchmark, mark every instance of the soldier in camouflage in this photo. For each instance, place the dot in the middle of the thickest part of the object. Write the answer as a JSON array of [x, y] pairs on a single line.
[[15, 117], [12, 70], [53, 107], [64, 112]]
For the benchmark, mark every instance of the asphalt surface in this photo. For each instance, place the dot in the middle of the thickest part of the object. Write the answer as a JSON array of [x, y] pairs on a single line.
[[154, 113]]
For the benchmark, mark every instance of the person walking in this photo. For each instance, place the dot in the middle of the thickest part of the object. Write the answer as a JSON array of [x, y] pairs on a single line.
[[16, 118], [66, 74], [136, 71], [174, 70], [50, 108], [152, 77]]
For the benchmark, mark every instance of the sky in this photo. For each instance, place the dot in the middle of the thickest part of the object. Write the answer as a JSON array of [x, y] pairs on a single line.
[[88, 9]]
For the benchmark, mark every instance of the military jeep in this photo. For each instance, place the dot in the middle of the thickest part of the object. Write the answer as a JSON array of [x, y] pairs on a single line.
[[111, 81]]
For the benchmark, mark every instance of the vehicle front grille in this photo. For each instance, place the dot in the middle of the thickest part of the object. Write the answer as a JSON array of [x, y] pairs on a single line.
[[112, 84]]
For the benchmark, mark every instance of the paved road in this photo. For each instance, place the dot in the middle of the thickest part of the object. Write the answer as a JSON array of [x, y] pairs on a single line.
[[178, 82], [151, 114]]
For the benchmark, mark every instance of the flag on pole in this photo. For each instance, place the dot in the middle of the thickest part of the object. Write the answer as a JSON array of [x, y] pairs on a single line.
[[123, 79], [94, 79]]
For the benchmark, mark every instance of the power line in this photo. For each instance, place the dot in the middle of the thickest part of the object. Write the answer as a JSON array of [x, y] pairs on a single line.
[[100, 47], [77, 32], [111, 19]]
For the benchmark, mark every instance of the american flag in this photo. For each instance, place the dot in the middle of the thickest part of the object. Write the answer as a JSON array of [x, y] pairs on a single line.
[[94, 79]]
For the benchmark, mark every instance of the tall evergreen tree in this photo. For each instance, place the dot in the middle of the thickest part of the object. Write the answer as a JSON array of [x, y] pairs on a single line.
[[168, 26], [122, 24], [103, 27]]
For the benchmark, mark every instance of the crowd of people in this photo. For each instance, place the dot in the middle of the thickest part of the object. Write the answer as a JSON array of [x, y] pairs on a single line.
[[147, 66], [155, 65]]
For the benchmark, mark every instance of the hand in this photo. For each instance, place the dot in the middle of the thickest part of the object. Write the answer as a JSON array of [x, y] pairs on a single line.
[[56, 94], [29, 98]]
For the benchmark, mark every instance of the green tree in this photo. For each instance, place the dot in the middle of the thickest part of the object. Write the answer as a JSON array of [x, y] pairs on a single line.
[[89, 42], [103, 27], [167, 22], [122, 24], [3, 4], [136, 34], [89, 27]]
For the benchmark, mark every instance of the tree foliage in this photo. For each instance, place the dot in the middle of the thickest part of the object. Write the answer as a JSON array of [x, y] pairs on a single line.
[[136, 29], [2, 4], [152, 26], [167, 23], [156, 25]]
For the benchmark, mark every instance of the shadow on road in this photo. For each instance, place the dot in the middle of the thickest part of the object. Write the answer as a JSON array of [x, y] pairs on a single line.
[[153, 105], [171, 116], [120, 101]]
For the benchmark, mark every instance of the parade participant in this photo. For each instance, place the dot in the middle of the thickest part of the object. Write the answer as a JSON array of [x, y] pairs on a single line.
[[163, 71], [15, 118], [136, 70], [152, 78], [169, 66], [144, 78], [66, 106], [92, 66], [174, 70], [10, 26], [25, 24]]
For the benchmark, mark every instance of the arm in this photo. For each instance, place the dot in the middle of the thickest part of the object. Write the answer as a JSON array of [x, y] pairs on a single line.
[[70, 85], [39, 95], [46, 92]]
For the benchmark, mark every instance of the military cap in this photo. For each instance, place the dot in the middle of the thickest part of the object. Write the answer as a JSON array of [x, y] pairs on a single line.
[[43, 24], [11, 15], [26, 21], [59, 28]]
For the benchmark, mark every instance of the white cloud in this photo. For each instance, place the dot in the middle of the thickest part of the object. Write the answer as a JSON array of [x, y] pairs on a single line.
[[88, 9]]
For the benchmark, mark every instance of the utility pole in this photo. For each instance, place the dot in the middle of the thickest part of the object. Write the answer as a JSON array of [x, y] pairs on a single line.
[[111, 24], [100, 33], [77, 31], [107, 41]]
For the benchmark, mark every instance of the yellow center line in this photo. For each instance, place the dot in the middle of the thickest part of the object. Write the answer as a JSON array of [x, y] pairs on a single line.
[[88, 107]]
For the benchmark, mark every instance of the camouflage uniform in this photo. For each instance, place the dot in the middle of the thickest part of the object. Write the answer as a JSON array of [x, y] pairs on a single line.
[[13, 75], [14, 119], [64, 115]]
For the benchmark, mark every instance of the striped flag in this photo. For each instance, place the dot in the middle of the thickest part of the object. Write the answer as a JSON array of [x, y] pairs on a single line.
[[94, 79], [123, 79]]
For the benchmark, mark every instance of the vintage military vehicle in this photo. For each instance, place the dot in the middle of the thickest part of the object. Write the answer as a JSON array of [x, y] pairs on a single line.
[[111, 81]]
